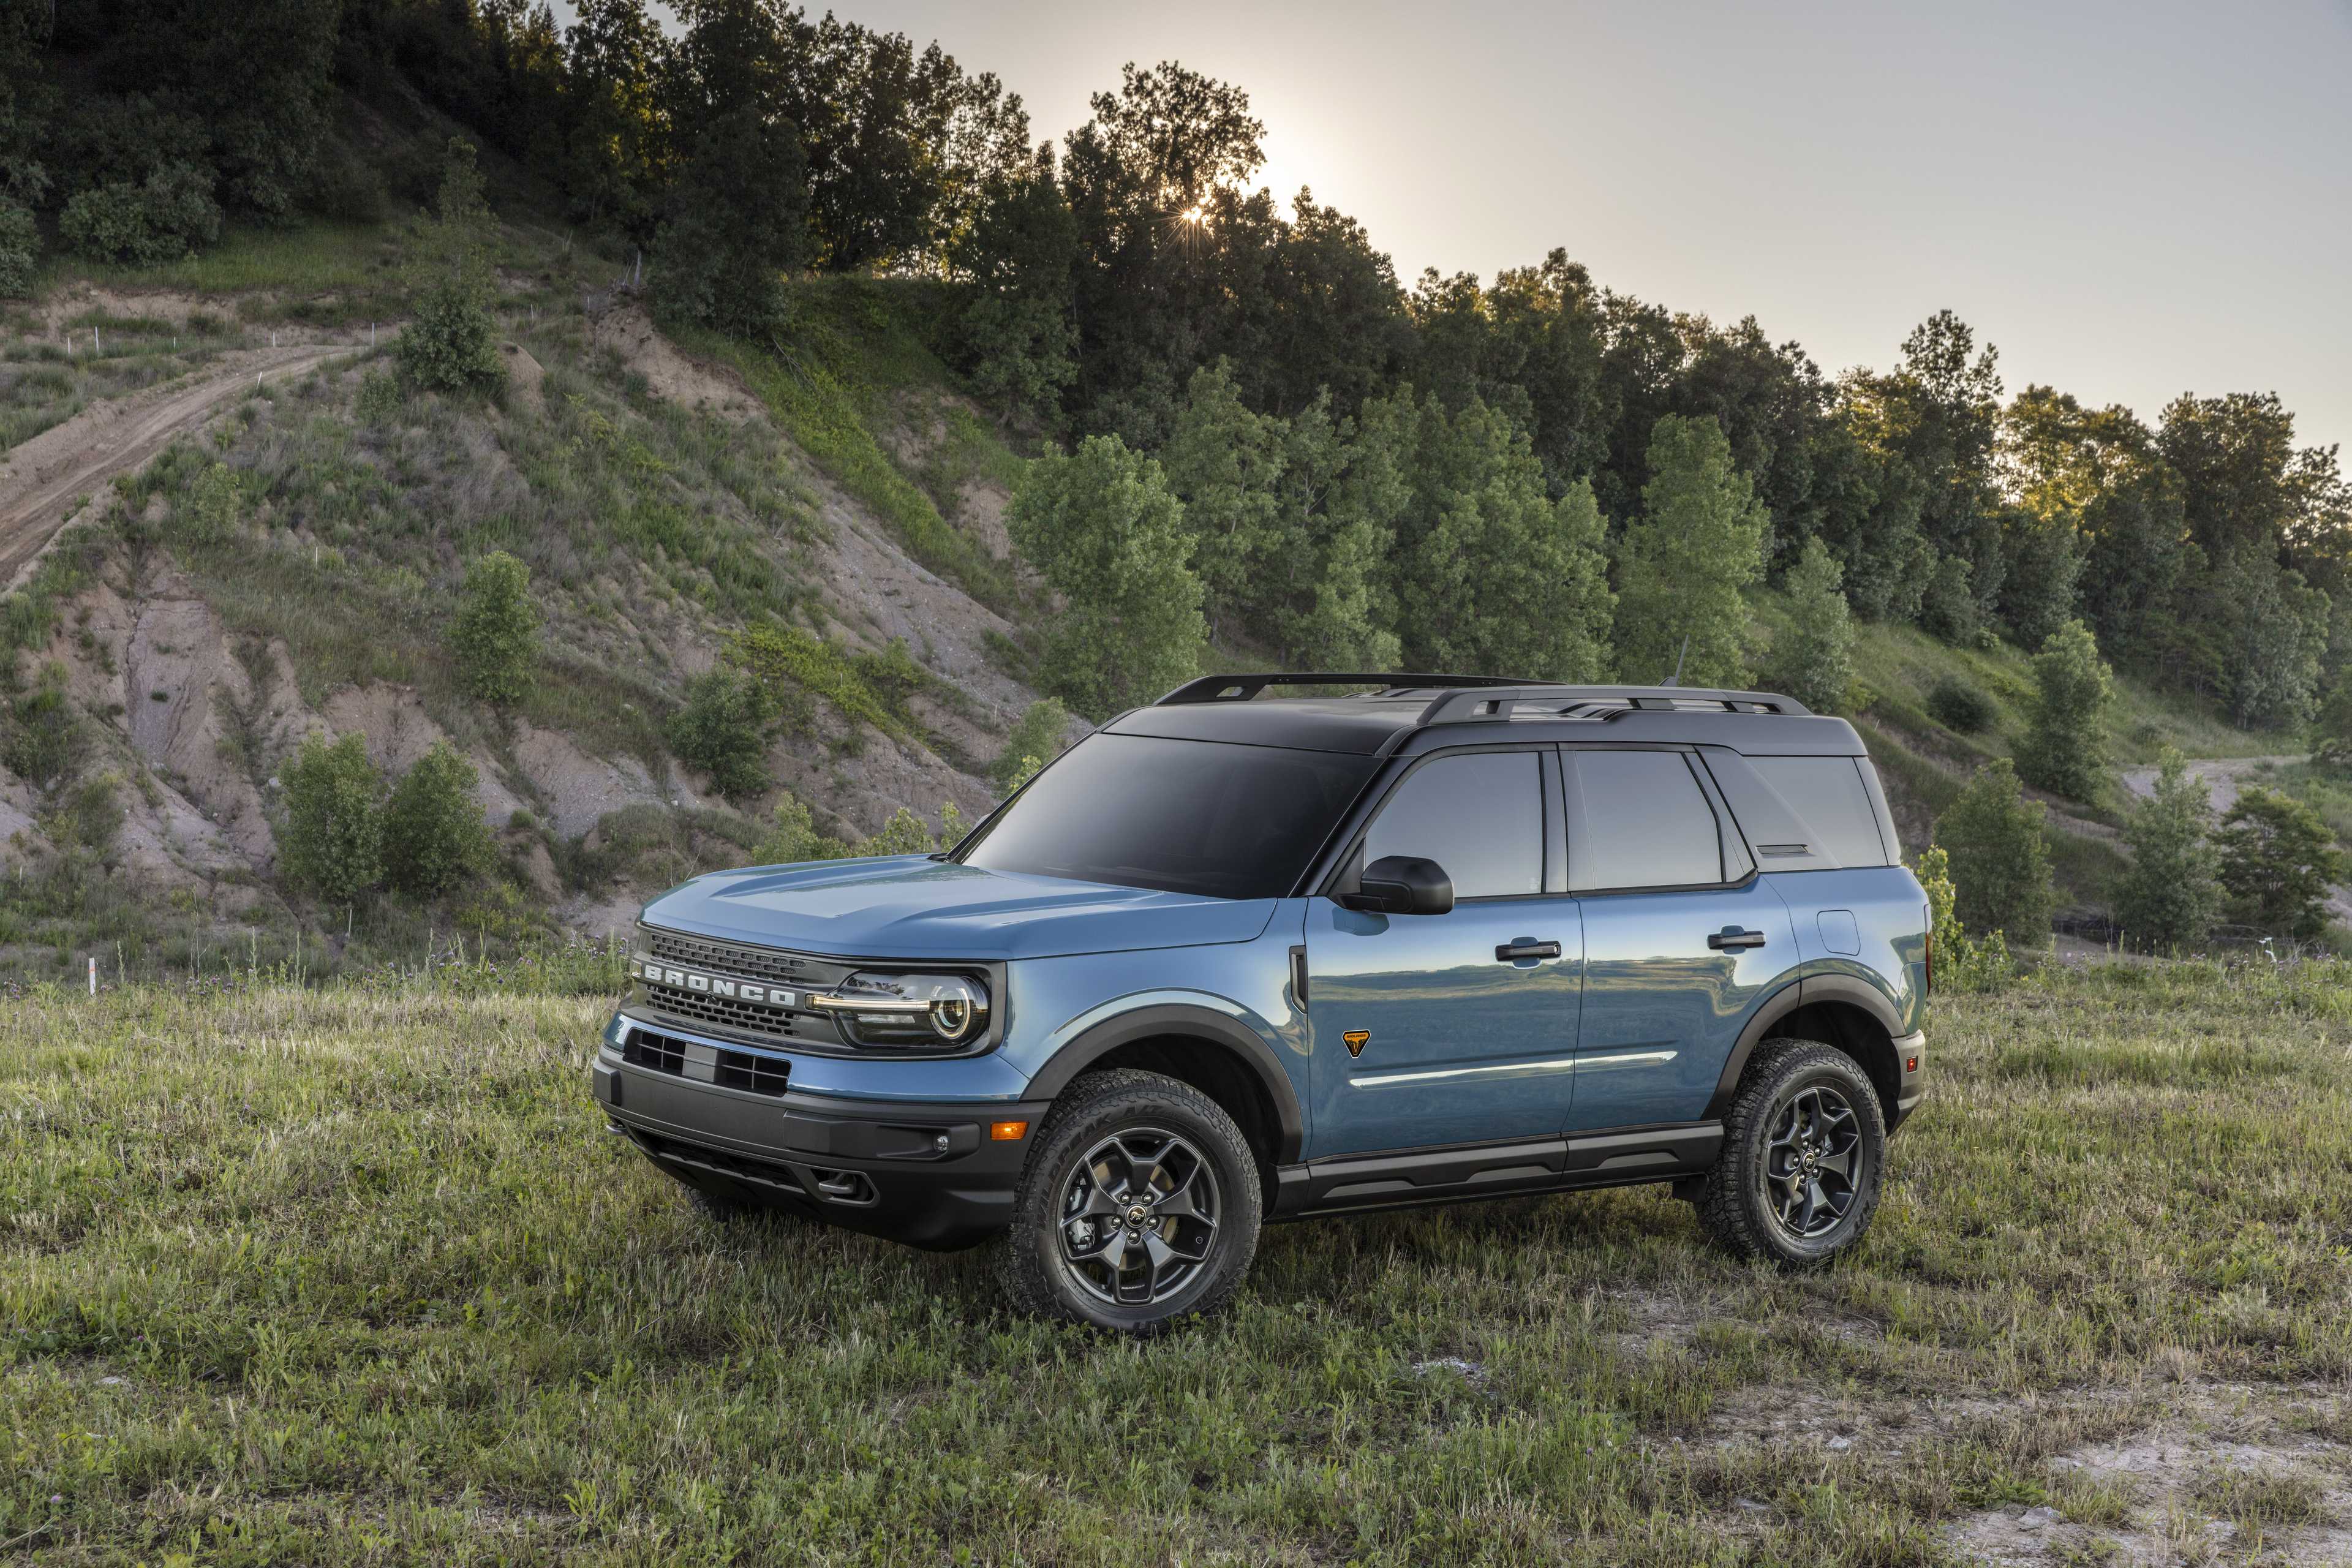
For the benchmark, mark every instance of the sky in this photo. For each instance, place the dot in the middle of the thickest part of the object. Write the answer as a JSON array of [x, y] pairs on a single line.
[[2131, 200]]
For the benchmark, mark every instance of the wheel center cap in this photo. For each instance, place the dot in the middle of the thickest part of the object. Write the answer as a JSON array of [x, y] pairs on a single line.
[[1137, 1213]]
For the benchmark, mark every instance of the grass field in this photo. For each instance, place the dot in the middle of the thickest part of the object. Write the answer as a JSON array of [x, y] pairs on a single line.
[[355, 1276]]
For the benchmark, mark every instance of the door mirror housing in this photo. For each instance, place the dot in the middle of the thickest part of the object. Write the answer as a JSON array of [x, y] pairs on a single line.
[[1402, 885]]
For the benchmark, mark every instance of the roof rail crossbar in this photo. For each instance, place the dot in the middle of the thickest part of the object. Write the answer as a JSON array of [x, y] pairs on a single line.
[[1491, 703], [1242, 688]]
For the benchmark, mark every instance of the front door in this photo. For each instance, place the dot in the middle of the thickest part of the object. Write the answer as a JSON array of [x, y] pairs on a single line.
[[1682, 939], [1456, 1028]]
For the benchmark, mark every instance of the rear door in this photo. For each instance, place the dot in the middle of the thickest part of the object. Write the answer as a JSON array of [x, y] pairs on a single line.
[[1682, 939], [1432, 1030]]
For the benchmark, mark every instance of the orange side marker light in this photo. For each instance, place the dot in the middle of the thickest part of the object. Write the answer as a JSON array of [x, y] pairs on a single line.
[[1007, 1132]]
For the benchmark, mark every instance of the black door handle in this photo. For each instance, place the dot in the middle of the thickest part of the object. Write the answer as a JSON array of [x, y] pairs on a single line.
[[1732, 936], [1525, 948]]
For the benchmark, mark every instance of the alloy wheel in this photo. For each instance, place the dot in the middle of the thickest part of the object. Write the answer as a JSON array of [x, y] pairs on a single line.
[[1812, 1160], [1139, 1217]]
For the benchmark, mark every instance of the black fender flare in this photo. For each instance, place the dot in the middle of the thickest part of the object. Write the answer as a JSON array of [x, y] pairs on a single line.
[[1175, 1019], [1809, 991]]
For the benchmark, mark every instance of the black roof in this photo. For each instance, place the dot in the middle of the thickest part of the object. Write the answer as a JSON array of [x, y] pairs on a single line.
[[1399, 713]]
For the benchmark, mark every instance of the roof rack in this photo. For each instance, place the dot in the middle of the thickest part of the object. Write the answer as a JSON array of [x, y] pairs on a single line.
[[1491, 702], [1242, 688]]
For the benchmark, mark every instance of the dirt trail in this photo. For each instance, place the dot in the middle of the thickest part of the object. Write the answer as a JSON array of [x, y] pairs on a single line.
[[2223, 773], [43, 476]]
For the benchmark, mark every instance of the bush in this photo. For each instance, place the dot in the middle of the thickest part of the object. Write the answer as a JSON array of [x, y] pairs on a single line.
[[332, 841], [794, 836], [496, 634], [1035, 741], [44, 740], [20, 246], [2067, 752], [433, 836], [723, 730], [1962, 963], [380, 398], [1949, 609], [450, 342], [212, 505], [2278, 860], [1999, 865], [2170, 896], [171, 215], [1955, 704]]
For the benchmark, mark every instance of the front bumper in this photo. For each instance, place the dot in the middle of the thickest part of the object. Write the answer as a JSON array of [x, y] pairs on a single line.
[[925, 1172], [1911, 1076]]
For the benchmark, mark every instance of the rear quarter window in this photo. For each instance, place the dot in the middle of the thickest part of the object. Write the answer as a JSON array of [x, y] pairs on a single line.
[[1802, 813]]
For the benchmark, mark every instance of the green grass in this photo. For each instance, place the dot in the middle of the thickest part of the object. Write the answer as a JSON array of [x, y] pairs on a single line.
[[354, 1275], [311, 256]]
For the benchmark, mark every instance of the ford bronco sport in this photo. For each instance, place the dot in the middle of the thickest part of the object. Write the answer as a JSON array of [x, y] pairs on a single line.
[[1236, 958]]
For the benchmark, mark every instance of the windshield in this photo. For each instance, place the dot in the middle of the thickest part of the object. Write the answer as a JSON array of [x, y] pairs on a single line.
[[1181, 816]]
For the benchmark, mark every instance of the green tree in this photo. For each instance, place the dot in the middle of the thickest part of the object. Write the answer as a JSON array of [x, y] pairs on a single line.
[[332, 838], [1225, 464], [2066, 750], [723, 730], [450, 343], [1109, 538], [1017, 338], [434, 835], [1494, 576], [1962, 963], [2172, 893], [496, 634], [1816, 663], [20, 244], [737, 211], [1034, 742], [170, 215], [1999, 864], [1683, 563], [2278, 861], [792, 837]]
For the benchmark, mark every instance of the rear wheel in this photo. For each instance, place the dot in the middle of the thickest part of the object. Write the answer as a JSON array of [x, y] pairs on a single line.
[[1141, 1205], [1804, 1156]]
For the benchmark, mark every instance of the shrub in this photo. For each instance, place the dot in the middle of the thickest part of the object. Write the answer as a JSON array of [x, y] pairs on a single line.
[[892, 675], [380, 399], [20, 246], [2171, 894], [212, 505], [434, 835], [496, 634], [171, 215], [794, 836], [94, 815], [1962, 963], [1816, 663], [450, 342], [332, 841], [2067, 752], [1035, 741], [1999, 865], [2278, 859], [1955, 704], [723, 730], [44, 739]]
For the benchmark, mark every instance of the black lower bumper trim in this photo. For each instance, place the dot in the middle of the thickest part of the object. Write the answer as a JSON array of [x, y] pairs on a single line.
[[923, 1173]]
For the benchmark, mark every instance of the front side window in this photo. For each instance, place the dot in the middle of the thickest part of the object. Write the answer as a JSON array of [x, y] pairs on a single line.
[[1638, 819], [1478, 814], [1179, 816]]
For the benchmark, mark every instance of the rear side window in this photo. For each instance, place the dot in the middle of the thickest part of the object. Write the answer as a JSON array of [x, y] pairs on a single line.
[[1478, 814], [1802, 813], [1638, 819]]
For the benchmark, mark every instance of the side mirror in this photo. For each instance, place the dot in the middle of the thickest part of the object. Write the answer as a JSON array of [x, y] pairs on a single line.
[[1402, 885]]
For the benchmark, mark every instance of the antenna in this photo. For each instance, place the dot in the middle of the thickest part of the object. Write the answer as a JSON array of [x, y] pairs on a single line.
[[1676, 678]]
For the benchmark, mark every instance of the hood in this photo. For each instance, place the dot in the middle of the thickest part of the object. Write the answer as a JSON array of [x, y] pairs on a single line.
[[910, 905]]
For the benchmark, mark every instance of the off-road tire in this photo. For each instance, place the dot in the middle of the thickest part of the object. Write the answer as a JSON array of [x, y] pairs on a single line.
[[1033, 1265], [1739, 1203]]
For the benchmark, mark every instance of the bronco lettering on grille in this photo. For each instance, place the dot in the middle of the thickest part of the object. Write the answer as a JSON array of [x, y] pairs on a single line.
[[717, 985]]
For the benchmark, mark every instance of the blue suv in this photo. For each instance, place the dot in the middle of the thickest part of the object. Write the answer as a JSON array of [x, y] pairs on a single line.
[[1236, 958]]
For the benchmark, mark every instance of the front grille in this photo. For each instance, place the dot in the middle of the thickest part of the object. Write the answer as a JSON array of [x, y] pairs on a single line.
[[752, 963], [761, 1075], [725, 1011]]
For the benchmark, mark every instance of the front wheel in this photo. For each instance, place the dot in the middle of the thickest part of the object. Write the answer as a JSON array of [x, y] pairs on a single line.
[[1804, 1156], [1140, 1205]]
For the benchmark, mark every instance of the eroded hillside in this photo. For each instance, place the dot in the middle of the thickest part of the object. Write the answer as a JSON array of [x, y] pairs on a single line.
[[663, 505]]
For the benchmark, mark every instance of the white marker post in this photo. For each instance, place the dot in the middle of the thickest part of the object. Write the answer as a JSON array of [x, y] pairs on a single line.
[[93, 975]]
